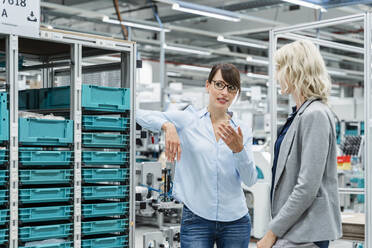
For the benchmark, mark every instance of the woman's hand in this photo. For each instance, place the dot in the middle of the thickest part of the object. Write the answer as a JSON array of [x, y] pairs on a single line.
[[233, 139], [172, 142], [267, 241]]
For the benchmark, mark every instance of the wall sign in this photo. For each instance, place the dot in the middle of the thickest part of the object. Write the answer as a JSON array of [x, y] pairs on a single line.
[[20, 17]]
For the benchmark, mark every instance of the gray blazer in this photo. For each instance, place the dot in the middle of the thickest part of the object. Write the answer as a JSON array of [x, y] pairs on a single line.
[[305, 205]]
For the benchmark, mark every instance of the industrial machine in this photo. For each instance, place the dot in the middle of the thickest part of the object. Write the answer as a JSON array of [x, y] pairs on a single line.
[[258, 195], [155, 205]]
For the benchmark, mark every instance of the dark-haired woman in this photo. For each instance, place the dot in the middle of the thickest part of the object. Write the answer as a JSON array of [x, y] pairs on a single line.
[[216, 159]]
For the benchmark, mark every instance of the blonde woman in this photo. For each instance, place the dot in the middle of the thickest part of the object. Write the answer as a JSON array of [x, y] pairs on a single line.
[[304, 195]]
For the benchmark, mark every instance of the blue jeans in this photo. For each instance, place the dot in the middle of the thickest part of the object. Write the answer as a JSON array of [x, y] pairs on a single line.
[[197, 232]]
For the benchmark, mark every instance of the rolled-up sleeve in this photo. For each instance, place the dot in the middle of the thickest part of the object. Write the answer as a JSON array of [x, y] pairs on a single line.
[[151, 120], [244, 161], [154, 120]]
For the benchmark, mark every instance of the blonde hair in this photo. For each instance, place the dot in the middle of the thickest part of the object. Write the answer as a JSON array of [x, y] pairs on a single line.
[[300, 66]]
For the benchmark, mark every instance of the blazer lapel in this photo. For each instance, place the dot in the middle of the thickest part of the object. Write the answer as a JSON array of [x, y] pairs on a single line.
[[287, 143], [284, 150]]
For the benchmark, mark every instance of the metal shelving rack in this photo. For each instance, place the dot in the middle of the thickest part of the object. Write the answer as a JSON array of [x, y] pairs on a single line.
[[53, 45]]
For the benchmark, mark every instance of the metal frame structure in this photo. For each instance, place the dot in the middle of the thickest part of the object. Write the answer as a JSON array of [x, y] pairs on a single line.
[[288, 33], [128, 71], [12, 80]]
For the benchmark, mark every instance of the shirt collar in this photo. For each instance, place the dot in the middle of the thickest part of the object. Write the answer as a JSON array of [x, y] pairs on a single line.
[[204, 112]]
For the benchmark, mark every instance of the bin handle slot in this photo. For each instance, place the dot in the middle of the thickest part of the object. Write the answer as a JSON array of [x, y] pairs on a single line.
[[107, 118], [106, 188], [105, 135], [107, 170], [105, 206], [55, 227], [46, 172], [47, 139], [49, 152], [108, 105], [46, 190], [106, 153], [106, 240]]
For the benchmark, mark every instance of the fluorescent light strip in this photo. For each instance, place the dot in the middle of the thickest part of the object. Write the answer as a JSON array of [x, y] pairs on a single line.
[[258, 61], [173, 74], [306, 4], [177, 6], [260, 76], [195, 68], [238, 42], [134, 25], [186, 50], [337, 73]]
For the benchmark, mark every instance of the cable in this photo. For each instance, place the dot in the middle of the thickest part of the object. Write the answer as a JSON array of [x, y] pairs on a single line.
[[123, 28], [155, 12], [151, 188]]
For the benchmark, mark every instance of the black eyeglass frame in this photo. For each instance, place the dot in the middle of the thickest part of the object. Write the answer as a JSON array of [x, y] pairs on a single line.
[[229, 86]]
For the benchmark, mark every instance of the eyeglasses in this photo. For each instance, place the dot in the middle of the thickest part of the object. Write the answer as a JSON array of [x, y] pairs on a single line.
[[220, 85]]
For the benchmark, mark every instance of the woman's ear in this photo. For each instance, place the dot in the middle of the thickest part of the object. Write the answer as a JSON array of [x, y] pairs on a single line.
[[207, 84]]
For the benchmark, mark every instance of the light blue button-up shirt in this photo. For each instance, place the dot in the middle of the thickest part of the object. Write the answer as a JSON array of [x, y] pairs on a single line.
[[208, 176]]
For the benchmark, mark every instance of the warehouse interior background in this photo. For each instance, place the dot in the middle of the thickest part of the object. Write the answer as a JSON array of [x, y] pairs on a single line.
[[175, 52]]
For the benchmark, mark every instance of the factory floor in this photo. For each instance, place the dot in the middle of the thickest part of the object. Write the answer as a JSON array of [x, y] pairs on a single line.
[[144, 229]]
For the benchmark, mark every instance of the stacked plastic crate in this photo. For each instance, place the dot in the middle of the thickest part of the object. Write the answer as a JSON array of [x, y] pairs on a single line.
[[4, 170], [105, 172], [105, 159], [45, 180]]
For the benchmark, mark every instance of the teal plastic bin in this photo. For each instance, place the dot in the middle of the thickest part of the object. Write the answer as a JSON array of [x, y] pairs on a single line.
[[105, 123], [4, 117], [68, 244], [45, 176], [44, 232], [4, 213], [3, 177], [45, 213], [3, 156], [95, 157], [105, 175], [105, 192], [105, 98], [105, 140], [46, 132], [97, 98], [105, 226], [45, 195], [28, 99], [55, 98], [105, 209], [28, 157], [3, 196], [3, 236], [111, 242]]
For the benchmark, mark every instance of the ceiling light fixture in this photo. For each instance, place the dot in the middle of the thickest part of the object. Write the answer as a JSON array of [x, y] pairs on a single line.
[[306, 4], [260, 76], [337, 73], [195, 68], [206, 11], [236, 41], [257, 61], [134, 25], [186, 50], [173, 74]]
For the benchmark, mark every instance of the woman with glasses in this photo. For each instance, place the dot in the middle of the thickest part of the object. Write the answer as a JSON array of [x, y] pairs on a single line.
[[216, 159]]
